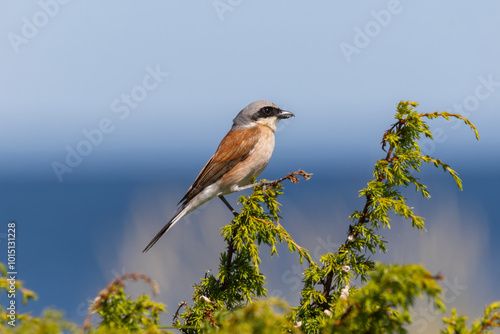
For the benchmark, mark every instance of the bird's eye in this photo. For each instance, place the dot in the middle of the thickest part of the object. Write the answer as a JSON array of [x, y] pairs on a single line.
[[267, 111]]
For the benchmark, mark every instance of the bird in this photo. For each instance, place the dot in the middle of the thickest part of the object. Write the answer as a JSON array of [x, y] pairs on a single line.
[[242, 155]]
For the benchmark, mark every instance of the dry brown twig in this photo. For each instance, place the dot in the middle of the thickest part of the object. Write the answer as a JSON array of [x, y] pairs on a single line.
[[176, 314], [290, 176]]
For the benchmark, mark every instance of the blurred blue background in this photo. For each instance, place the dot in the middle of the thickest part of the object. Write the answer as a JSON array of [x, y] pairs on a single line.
[[109, 112]]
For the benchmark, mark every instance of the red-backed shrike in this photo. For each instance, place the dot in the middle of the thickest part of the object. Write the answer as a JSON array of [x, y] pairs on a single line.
[[242, 155]]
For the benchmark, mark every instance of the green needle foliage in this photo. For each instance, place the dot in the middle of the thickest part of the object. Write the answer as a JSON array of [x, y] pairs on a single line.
[[233, 300], [489, 320], [5, 283], [120, 314], [261, 316], [239, 280], [383, 304]]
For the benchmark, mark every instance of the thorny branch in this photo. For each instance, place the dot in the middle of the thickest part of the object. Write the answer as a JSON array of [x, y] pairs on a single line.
[[290, 176]]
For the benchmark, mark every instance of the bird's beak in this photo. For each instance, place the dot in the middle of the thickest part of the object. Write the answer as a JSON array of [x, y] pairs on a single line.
[[285, 114]]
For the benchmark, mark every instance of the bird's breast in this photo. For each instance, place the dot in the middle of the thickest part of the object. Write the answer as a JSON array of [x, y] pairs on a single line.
[[255, 163], [260, 157]]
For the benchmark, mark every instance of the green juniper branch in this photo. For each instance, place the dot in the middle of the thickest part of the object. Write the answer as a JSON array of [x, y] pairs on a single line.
[[239, 280], [382, 195], [119, 312]]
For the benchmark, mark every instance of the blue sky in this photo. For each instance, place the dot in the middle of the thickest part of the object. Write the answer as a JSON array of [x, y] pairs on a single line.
[[153, 87]]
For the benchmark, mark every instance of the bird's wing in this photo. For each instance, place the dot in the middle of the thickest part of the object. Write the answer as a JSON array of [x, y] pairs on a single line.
[[236, 146]]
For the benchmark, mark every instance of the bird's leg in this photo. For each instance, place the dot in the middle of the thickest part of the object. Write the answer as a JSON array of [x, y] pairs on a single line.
[[228, 206], [230, 244]]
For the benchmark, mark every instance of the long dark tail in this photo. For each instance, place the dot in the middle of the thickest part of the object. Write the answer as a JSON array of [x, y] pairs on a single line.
[[165, 228]]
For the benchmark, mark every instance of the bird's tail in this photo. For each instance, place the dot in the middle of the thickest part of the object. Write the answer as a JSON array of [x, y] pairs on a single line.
[[181, 213]]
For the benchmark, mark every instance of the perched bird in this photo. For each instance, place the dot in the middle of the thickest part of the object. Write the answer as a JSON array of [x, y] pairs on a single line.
[[242, 155]]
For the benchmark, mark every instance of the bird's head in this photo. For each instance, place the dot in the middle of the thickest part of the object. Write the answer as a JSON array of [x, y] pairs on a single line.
[[260, 112]]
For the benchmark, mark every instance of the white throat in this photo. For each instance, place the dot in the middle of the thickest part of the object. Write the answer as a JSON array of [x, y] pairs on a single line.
[[270, 122]]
